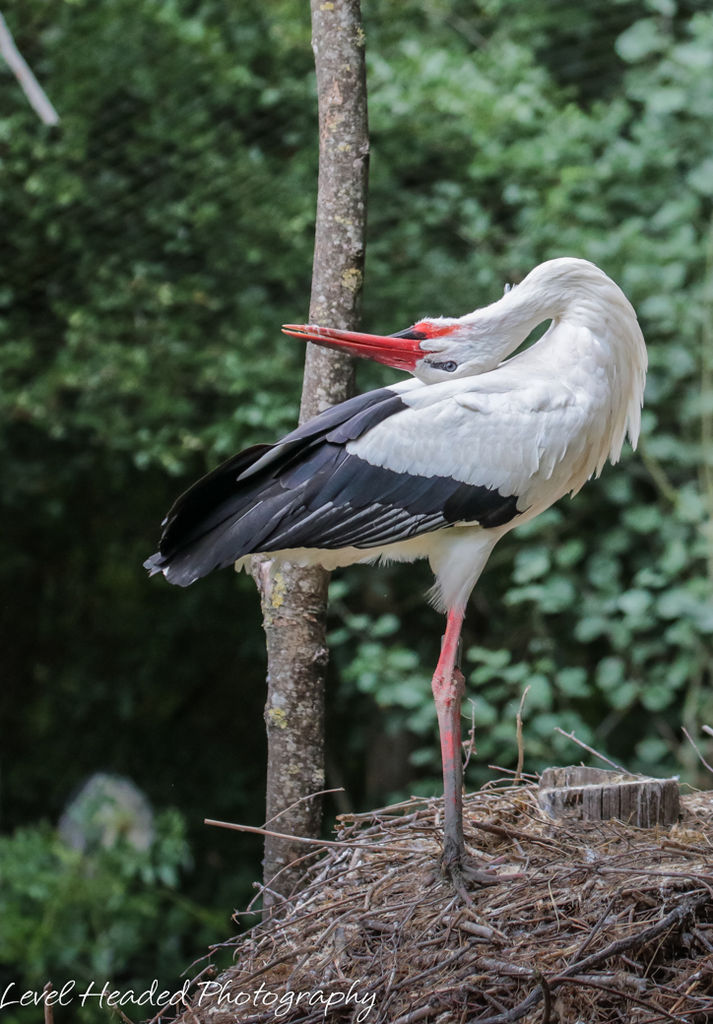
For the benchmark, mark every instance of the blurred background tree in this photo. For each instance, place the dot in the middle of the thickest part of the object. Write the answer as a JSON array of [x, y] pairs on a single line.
[[152, 244]]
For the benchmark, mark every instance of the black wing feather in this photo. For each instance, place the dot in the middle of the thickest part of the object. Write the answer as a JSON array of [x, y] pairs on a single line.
[[308, 491]]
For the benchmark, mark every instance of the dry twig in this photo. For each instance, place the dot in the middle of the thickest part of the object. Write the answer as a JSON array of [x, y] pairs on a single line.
[[518, 734], [590, 750], [701, 758]]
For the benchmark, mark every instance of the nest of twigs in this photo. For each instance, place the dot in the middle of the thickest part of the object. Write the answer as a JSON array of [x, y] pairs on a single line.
[[590, 922]]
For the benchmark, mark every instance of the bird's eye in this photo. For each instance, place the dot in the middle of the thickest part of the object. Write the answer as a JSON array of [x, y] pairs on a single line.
[[449, 366]]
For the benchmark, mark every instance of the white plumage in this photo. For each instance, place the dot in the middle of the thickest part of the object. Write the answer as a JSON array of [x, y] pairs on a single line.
[[536, 426]]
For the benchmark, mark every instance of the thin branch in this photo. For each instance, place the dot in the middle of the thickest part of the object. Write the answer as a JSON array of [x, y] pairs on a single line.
[[590, 750], [470, 742], [520, 745], [700, 755], [48, 1008], [270, 883], [511, 833], [309, 796], [595, 930], [341, 845], [36, 96], [546, 996]]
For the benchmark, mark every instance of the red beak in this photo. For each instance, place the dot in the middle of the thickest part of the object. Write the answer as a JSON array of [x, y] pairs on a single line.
[[402, 351]]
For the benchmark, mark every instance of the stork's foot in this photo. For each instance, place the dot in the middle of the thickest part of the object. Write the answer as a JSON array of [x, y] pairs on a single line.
[[466, 878], [465, 872]]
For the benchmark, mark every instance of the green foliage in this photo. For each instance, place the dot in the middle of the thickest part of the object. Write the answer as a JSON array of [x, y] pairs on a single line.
[[153, 241], [604, 605], [113, 914], [381, 667], [150, 306]]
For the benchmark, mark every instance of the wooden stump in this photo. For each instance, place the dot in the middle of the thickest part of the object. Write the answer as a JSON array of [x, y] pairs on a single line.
[[595, 794]]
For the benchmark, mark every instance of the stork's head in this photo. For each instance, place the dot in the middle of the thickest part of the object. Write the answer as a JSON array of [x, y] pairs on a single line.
[[444, 348], [433, 349]]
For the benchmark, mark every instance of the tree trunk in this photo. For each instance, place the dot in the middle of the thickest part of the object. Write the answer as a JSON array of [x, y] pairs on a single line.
[[294, 600]]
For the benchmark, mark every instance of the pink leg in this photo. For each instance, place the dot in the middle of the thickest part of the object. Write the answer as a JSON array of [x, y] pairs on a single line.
[[448, 692]]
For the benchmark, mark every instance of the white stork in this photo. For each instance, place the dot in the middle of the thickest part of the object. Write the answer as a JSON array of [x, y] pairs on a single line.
[[440, 466]]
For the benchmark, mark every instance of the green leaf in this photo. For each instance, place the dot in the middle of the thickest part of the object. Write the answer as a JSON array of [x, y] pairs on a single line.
[[531, 564], [636, 603], [573, 682], [610, 673], [656, 697], [641, 40]]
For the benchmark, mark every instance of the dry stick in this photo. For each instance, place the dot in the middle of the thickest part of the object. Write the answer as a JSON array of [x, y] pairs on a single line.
[[48, 1008], [595, 930], [249, 909], [506, 771], [459, 954], [629, 942], [591, 750], [36, 96], [520, 746], [309, 796], [161, 1012], [424, 801], [504, 968], [470, 742], [546, 995], [384, 848], [420, 1014], [700, 755], [512, 833]]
